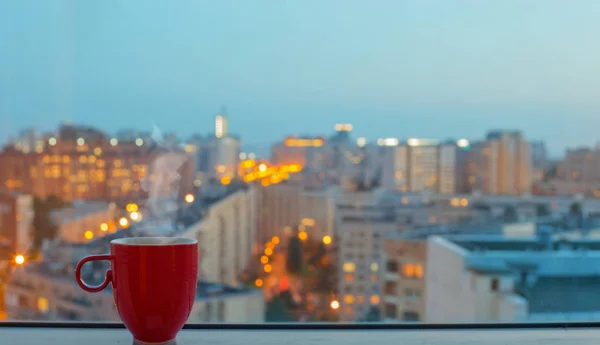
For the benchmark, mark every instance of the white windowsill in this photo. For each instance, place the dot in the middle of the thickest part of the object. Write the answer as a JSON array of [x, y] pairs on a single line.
[[49, 336]]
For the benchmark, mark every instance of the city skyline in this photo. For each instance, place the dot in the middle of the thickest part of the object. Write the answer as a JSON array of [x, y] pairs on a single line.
[[403, 69]]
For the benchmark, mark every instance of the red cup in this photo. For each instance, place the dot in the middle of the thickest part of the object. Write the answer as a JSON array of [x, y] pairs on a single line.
[[153, 282]]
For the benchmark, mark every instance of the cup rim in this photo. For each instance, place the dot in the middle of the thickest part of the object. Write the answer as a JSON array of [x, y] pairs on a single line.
[[154, 241]]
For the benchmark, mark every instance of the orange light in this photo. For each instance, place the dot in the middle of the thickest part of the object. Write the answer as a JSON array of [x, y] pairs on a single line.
[[419, 271], [284, 284], [464, 202], [258, 282], [327, 239], [268, 268], [131, 207], [225, 180], [294, 142], [302, 235], [19, 259], [268, 251], [270, 245], [265, 182], [408, 270], [264, 259], [335, 305], [308, 221], [374, 299], [88, 235], [349, 299], [275, 240]]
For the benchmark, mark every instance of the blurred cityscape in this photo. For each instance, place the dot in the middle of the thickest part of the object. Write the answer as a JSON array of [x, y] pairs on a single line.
[[327, 228]]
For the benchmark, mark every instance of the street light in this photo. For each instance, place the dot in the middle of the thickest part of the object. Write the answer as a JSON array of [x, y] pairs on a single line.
[[335, 305], [327, 240], [302, 235], [275, 240], [19, 259], [258, 282], [104, 227], [264, 259], [268, 268], [268, 251], [123, 222], [135, 216], [132, 207], [189, 198]]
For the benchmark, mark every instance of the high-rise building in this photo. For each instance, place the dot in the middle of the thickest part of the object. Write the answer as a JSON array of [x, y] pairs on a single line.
[[363, 223], [16, 218], [501, 164], [226, 157], [420, 165], [306, 151], [221, 126], [83, 163], [29, 140], [539, 155]]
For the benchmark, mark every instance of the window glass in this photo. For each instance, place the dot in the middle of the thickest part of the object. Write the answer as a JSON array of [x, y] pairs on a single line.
[[337, 161]]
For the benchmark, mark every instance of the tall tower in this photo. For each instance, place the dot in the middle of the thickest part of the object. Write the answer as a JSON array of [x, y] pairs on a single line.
[[221, 124]]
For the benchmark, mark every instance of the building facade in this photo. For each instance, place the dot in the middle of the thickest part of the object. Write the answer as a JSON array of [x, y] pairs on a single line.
[[83, 221], [44, 291], [226, 237], [501, 164], [16, 222], [420, 165], [498, 278], [403, 279], [82, 163]]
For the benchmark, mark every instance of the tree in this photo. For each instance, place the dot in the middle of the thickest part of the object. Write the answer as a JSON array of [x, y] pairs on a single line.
[[575, 208], [43, 226], [577, 212], [325, 278], [482, 207], [278, 311], [510, 214], [543, 210], [293, 263]]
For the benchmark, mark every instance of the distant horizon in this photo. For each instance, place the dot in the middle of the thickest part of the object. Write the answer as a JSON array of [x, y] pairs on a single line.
[[391, 68], [263, 148]]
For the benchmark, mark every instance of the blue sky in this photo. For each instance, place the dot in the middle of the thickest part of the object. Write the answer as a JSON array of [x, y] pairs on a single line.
[[391, 68]]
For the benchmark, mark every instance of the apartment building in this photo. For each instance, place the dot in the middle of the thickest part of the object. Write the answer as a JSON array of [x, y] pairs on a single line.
[[84, 163], [403, 288], [501, 164], [226, 233], [495, 278], [363, 222], [48, 291], [16, 221], [420, 165], [85, 220]]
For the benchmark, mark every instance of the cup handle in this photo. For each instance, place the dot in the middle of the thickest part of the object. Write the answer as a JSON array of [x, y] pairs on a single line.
[[87, 287]]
